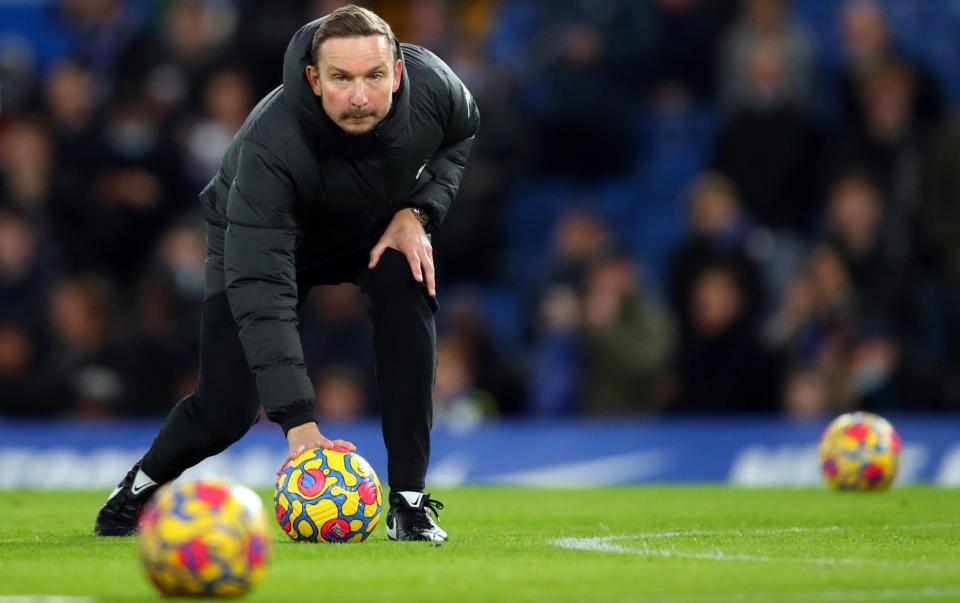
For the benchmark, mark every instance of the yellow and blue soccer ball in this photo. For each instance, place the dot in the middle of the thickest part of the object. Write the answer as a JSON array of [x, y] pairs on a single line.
[[207, 537], [328, 495], [860, 451]]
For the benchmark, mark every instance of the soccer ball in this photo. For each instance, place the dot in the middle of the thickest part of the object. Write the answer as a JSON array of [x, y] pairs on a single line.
[[206, 537], [860, 451], [328, 495]]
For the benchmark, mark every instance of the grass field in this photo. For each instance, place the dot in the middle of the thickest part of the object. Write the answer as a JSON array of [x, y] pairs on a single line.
[[653, 544]]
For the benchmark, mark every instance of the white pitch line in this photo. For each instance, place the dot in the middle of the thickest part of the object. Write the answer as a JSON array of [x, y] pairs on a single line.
[[730, 532], [778, 531], [823, 596], [44, 599], [605, 544], [897, 594]]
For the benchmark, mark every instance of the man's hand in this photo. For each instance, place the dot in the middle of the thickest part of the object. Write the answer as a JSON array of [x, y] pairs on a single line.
[[306, 436], [406, 235]]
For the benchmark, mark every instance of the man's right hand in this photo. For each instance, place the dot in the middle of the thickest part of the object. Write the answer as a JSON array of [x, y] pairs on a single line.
[[405, 233], [306, 436]]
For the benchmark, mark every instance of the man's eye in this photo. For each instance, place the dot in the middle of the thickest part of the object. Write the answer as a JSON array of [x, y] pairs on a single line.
[[339, 78], [376, 76]]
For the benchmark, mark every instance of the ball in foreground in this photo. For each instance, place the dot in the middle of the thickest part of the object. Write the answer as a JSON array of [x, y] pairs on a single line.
[[206, 537], [328, 495], [860, 451]]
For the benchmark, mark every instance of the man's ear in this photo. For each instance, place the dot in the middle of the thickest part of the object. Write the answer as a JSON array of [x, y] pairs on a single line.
[[313, 77], [397, 74]]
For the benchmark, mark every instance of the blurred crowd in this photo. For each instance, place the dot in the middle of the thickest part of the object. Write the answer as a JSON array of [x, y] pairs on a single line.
[[674, 206]]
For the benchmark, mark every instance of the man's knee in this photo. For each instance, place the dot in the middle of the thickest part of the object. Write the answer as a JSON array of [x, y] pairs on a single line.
[[392, 274], [393, 292]]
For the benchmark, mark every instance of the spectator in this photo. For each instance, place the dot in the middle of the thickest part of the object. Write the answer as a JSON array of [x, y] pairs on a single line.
[[932, 357], [72, 103], [627, 341], [160, 351], [26, 165], [818, 310], [722, 367], [494, 371], [555, 379], [875, 375], [25, 283], [335, 332], [427, 23], [813, 331], [940, 209], [766, 23], [341, 395], [807, 395], [27, 272], [890, 148], [137, 187], [18, 75], [868, 46], [578, 50], [182, 255], [457, 401], [18, 363], [83, 373], [769, 147], [102, 33], [157, 355], [227, 99], [168, 64], [719, 232], [577, 239], [855, 225], [686, 32]]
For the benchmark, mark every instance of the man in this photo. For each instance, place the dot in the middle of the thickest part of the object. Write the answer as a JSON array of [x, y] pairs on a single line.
[[336, 176]]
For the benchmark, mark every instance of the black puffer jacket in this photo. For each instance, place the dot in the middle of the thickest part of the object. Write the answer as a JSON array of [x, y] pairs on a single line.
[[295, 192]]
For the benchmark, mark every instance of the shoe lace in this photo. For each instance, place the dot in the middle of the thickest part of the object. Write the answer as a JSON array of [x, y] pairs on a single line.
[[420, 518], [432, 504]]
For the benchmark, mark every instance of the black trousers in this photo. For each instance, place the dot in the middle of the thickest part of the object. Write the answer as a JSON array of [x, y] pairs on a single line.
[[225, 404]]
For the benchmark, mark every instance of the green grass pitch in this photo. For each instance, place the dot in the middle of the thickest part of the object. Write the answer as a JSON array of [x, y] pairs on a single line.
[[669, 544]]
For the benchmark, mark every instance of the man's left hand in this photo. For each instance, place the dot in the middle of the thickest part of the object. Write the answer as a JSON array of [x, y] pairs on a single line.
[[406, 235]]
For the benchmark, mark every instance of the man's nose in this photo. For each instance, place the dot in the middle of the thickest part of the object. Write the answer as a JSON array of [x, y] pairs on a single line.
[[359, 96]]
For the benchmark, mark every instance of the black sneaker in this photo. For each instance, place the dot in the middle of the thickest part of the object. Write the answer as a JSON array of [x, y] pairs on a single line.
[[120, 514], [409, 517]]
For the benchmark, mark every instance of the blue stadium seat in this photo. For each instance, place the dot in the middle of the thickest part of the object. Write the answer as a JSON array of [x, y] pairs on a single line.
[[32, 25], [679, 151], [529, 215], [499, 309]]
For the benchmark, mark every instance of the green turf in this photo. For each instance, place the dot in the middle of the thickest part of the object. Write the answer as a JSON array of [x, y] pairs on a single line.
[[659, 544]]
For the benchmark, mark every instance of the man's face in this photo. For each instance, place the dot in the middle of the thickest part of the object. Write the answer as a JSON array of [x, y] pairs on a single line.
[[355, 79]]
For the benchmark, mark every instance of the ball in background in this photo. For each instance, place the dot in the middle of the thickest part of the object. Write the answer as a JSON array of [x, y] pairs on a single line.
[[206, 537], [328, 495], [860, 451]]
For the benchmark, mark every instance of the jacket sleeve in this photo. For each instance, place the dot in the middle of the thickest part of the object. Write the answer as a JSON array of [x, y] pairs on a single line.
[[445, 170], [261, 283]]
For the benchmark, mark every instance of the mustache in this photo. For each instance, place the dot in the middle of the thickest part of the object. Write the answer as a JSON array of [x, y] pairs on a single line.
[[357, 114]]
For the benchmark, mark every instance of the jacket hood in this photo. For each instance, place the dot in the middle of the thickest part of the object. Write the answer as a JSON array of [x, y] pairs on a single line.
[[308, 107]]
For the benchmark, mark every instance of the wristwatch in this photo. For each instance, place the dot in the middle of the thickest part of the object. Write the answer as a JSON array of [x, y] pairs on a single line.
[[421, 216]]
